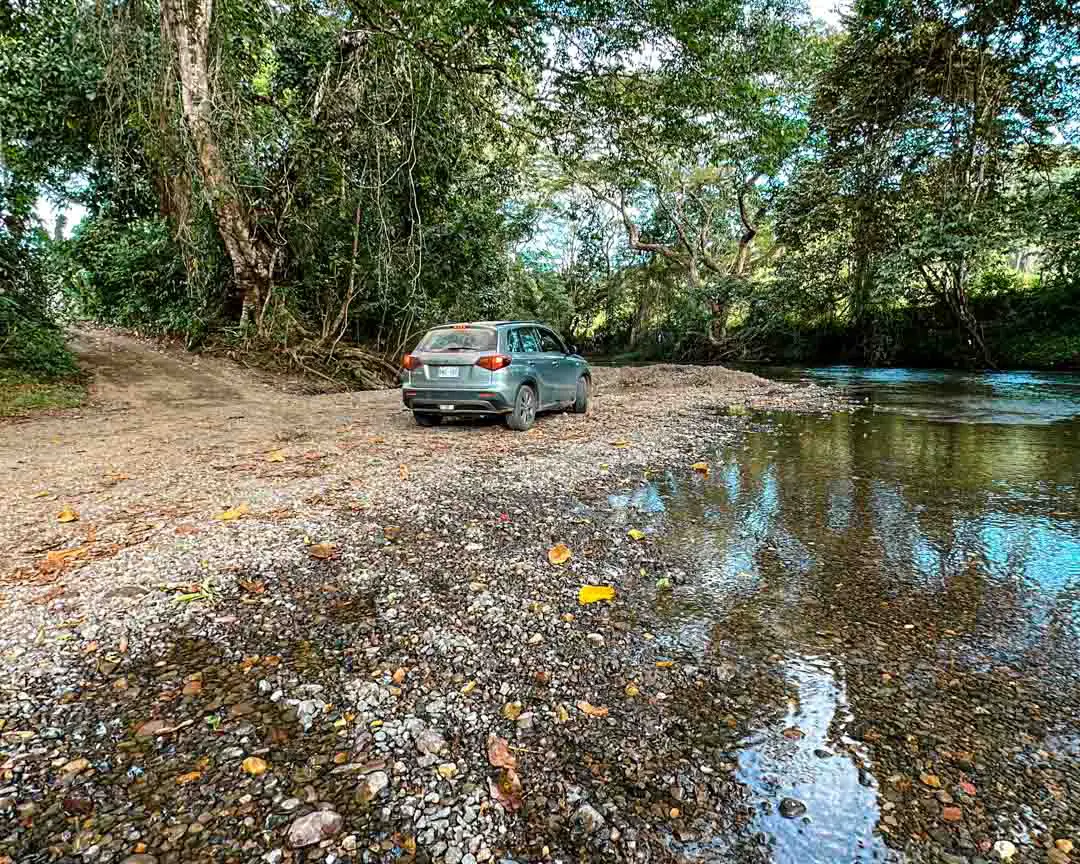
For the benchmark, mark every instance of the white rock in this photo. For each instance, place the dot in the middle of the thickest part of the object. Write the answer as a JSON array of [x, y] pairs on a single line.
[[1004, 850], [314, 827]]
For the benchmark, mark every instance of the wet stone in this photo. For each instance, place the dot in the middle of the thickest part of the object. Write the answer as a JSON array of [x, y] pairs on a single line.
[[792, 808]]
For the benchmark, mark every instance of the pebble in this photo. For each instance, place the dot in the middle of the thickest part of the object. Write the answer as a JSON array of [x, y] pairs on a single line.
[[792, 808], [314, 828], [588, 819]]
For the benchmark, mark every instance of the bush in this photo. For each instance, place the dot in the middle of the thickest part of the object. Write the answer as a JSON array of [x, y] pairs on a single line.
[[131, 275], [29, 338]]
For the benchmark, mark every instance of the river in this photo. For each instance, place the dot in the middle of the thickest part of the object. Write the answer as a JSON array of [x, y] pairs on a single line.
[[910, 572]]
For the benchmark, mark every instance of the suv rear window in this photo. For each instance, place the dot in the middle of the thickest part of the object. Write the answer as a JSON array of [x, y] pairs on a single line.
[[459, 339]]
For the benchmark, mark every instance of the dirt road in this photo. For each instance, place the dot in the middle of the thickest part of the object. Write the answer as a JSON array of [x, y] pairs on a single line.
[[168, 435]]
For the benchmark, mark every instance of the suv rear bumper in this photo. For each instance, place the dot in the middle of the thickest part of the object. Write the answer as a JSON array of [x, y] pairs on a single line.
[[463, 401]]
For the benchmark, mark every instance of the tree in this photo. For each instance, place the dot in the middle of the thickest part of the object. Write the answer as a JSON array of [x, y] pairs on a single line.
[[926, 113], [682, 120]]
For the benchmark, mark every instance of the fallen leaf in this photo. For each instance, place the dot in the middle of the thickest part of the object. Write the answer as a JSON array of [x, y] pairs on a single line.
[[468, 688], [559, 554], [951, 814], [190, 777], [186, 529], [594, 593], [391, 533], [635, 534], [592, 710], [44, 493], [506, 789], [252, 586], [192, 688], [275, 456], [674, 813], [403, 471], [58, 558], [621, 442], [562, 713], [794, 733], [376, 439], [701, 468], [499, 753], [967, 788], [322, 551], [512, 710], [68, 514], [254, 765], [232, 513], [632, 690], [1064, 845], [930, 780], [399, 675], [664, 664]]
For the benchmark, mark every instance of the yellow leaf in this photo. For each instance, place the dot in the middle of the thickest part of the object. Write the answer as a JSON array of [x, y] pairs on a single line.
[[562, 715], [559, 554], [232, 513], [68, 514], [190, 777], [44, 493], [635, 534], [399, 675], [254, 765], [592, 710], [632, 690], [701, 467], [403, 471], [930, 780], [512, 710], [592, 593], [468, 688], [621, 442], [275, 456], [664, 664], [322, 551]]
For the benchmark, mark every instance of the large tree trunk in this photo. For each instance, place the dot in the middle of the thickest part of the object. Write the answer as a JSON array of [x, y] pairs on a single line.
[[186, 24]]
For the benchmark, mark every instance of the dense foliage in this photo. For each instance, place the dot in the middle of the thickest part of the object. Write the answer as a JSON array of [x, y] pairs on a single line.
[[716, 179]]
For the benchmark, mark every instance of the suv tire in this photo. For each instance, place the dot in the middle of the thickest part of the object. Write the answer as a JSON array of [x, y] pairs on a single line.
[[523, 414]]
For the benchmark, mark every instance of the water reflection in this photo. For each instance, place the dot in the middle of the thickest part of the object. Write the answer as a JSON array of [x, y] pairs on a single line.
[[833, 545], [806, 760], [975, 519]]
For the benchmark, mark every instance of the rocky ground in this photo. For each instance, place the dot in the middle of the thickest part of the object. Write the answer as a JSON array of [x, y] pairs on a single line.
[[241, 625], [247, 625]]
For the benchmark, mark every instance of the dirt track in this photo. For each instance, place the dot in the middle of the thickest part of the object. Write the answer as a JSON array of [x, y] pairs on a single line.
[[168, 435]]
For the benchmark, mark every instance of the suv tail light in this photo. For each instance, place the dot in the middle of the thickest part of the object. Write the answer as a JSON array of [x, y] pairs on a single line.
[[410, 362], [493, 362]]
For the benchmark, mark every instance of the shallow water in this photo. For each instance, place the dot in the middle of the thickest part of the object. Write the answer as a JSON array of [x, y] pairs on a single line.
[[940, 519]]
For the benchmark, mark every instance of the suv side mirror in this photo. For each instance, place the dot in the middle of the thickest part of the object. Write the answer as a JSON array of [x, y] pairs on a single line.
[[571, 349]]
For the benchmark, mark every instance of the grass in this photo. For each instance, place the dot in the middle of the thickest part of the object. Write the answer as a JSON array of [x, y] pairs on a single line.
[[22, 393]]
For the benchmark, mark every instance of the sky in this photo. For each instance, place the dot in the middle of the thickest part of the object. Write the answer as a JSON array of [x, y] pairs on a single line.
[[828, 10]]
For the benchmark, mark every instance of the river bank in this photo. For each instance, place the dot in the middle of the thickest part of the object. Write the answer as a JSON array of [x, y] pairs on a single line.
[[240, 624]]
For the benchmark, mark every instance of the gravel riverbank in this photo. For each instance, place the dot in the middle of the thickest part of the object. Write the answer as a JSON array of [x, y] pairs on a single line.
[[316, 633]]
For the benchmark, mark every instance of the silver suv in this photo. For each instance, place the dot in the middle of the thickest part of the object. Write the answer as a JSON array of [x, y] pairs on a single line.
[[513, 368]]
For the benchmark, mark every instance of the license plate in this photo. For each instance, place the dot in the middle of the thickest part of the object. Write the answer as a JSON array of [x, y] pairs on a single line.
[[448, 371], [446, 407]]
